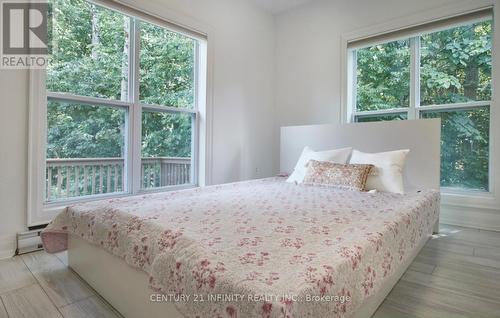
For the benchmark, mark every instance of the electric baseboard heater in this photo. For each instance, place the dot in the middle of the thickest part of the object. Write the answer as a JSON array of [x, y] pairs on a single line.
[[29, 241]]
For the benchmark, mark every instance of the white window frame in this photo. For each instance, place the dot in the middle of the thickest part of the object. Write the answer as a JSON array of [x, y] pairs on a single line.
[[414, 109], [41, 212], [450, 196]]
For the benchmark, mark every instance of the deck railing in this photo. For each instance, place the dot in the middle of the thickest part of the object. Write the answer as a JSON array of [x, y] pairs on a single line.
[[66, 178]]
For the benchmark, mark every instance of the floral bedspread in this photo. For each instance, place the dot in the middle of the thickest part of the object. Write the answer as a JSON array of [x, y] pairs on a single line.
[[261, 248]]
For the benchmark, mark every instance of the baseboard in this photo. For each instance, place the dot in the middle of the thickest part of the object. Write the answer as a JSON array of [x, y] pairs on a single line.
[[479, 218], [7, 246]]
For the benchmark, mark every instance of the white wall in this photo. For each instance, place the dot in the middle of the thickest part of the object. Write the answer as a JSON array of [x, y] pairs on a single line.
[[243, 94], [13, 156], [308, 61]]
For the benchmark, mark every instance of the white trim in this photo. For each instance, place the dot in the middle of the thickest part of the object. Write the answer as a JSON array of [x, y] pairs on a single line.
[[176, 23], [469, 199], [494, 110], [84, 198], [131, 129], [136, 113], [414, 77], [195, 120], [80, 99], [473, 217], [136, 141], [346, 73], [37, 137], [168, 188], [467, 105], [96, 197], [40, 212], [347, 104], [381, 112], [167, 109], [52, 209], [478, 16], [206, 110], [354, 78], [419, 19]]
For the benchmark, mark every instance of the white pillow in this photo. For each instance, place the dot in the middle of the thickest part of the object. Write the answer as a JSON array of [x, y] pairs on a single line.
[[334, 155], [387, 176]]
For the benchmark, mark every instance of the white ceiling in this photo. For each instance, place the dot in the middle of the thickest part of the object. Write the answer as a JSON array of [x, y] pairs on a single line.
[[278, 6]]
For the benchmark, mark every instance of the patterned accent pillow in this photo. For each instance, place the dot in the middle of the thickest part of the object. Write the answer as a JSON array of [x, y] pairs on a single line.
[[344, 176]]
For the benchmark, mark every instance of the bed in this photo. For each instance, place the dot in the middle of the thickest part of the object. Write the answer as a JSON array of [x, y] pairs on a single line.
[[260, 248]]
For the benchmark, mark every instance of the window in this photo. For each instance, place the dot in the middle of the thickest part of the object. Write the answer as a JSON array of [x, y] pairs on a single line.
[[122, 104], [464, 146], [445, 74]]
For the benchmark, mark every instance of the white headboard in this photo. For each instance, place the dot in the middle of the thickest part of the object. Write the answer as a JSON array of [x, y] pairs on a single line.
[[422, 137]]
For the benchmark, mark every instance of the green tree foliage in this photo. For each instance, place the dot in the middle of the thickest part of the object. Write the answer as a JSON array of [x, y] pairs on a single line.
[[167, 68], [165, 134], [464, 147], [79, 65], [455, 67], [83, 131], [90, 53], [383, 76]]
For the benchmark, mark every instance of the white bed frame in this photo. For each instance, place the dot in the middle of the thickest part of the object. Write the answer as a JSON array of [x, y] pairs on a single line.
[[126, 288], [421, 136]]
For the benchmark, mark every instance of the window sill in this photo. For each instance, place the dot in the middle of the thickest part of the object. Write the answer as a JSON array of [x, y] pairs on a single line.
[[89, 198], [51, 209], [469, 199]]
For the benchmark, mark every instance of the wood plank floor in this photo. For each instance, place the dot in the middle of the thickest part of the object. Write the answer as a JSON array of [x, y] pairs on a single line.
[[457, 274], [40, 285]]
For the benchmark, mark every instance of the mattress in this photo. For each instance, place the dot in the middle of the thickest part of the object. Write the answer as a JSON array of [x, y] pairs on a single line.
[[261, 248]]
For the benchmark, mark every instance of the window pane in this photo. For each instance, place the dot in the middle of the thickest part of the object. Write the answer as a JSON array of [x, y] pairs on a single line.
[[167, 62], [166, 149], [370, 118], [84, 150], [89, 50], [383, 76], [456, 65], [464, 147]]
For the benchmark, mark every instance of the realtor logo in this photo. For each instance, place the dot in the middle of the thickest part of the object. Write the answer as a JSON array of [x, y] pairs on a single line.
[[24, 34]]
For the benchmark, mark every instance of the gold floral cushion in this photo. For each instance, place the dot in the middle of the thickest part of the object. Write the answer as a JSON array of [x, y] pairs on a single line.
[[345, 176]]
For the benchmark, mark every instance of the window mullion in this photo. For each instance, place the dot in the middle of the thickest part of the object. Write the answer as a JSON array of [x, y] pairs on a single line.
[[195, 120], [465, 105], [354, 84], [72, 98], [414, 78], [381, 112], [129, 120], [134, 169], [167, 109]]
